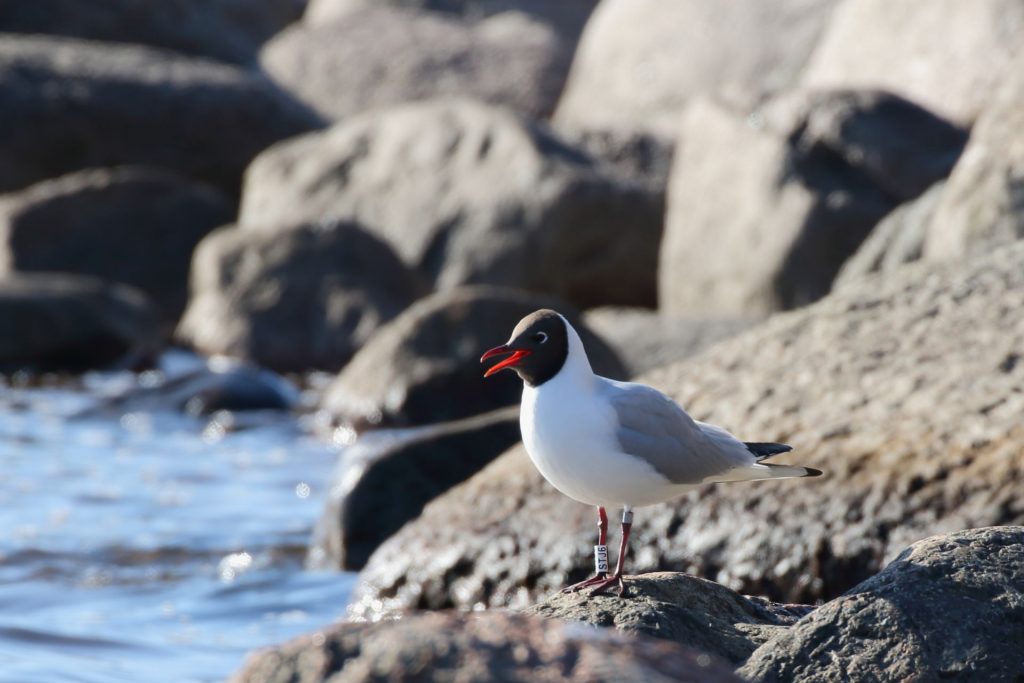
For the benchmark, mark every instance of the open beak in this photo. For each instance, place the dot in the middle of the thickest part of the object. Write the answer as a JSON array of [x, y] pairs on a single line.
[[517, 355]]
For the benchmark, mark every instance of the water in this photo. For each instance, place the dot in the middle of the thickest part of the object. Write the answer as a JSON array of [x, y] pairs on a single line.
[[155, 547]]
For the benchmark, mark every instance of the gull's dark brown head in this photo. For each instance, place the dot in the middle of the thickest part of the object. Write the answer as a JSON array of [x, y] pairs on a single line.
[[537, 349]]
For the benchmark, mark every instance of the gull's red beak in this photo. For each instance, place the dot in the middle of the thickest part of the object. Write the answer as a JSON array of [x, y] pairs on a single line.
[[517, 355]]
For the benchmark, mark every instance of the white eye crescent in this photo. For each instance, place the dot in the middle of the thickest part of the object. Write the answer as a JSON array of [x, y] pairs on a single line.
[[540, 337]]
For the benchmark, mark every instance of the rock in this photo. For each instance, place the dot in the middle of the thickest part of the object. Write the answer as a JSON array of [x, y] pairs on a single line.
[[948, 608], [640, 61], [983, 205], [646, 339], [898, 239], [638, 156], [220, 385], [684, 609], [133, 225], [904, 390], [382, 56], [789, 192], [65, 323], [470, 194], [424, 366], [566, 16], [946, 55], [489, 646], [228, 30], [385, 479], [293, 299], [71, 104]]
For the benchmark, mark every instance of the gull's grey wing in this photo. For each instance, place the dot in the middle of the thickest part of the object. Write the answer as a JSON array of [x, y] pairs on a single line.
[[653, 427]]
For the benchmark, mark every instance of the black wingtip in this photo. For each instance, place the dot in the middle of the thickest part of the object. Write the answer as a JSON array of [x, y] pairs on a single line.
[[811, 472], [766, 450]]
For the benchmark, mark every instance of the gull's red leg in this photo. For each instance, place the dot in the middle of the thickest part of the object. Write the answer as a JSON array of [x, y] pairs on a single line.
[[602, 539], [600, 586]]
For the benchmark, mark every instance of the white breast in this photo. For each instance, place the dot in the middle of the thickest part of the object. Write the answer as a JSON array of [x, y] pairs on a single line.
[[568, 431]]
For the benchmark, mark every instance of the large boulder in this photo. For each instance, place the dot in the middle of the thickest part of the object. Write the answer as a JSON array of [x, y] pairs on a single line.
[[983, 204], [490, 646], [946, 55], [228, 30], [293, 299], [380, 56], [684, 609], [646, 339], [470, 194], [66, 323], [565, 16], [905, 390], [898, 238], [948, 608], [424, 366], [765, 206], [71, 104], [386, 478], [134, 225], [640, 61]]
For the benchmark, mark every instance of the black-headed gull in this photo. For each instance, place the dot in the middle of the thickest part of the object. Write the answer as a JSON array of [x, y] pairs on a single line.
[[608, 443]]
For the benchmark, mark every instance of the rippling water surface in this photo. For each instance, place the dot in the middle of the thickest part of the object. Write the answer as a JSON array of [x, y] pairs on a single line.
[[152, 546]]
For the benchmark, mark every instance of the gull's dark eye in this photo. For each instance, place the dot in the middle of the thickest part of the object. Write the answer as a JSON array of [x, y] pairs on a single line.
[[540, 337]]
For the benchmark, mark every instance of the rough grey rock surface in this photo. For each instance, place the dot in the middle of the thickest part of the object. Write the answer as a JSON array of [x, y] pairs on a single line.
[[424, 366], [983, 205], [684, 609], [948, 608], [765, 206], [385, 479], [381, 56], [68, 323], [905, 391], [227, 30], [646, 339], [946, 55], [565, 16], [468, 193], [133, 225], [640, 61], [898, 239], [293, 299], [478, 648], [72, 104]]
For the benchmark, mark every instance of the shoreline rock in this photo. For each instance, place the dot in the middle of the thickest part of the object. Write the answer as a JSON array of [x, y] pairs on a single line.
[[226, 30], [296, 298], [383, 481], [766, 205], [470, 194], [905, 390], [74, 104], [380, 56], [487, 646], [684, 609], [424, 366], [131, 225], [949, 607], [72, 323]]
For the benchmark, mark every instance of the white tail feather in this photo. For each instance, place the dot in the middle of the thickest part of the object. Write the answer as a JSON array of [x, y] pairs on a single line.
[[760, 471]]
